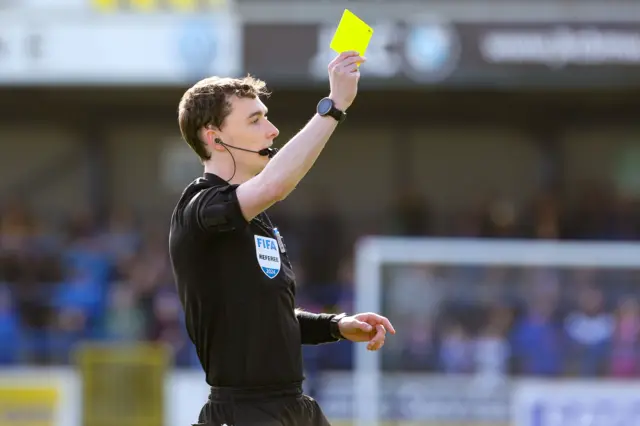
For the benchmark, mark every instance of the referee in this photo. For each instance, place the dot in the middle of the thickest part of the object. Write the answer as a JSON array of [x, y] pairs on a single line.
[[231, 266]]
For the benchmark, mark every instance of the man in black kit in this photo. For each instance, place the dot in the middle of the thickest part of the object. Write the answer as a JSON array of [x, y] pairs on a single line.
[[231, 266]]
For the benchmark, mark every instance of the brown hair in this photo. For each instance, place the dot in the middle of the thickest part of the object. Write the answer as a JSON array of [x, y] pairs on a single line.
[[207, 103]]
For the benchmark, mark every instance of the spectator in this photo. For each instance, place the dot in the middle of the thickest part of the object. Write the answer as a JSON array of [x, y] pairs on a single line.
[[120, 238], [418, 349], [167, 327], [536, 339], [456, 350], [625, 347], [125, 320], [9, 328], [492, 349], [589, 330]]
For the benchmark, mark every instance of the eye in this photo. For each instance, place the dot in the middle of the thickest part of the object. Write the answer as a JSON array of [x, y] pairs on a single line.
[[255, 121]]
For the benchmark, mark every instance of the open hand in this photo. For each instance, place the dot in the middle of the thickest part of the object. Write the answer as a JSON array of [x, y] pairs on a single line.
[[367, 327]]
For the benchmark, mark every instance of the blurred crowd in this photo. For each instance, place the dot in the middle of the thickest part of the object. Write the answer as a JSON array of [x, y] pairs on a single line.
[[502, 320], [66, 281], [62, 282]]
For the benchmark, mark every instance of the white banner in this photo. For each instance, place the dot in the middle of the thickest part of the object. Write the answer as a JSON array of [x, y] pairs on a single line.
[[422, 397], [78, 49], [39, 396], [576, 403]]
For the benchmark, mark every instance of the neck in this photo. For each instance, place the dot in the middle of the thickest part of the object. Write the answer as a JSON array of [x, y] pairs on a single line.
[[225, 171]]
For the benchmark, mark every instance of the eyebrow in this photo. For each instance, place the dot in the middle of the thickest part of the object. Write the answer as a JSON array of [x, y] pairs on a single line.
[[258, 114]]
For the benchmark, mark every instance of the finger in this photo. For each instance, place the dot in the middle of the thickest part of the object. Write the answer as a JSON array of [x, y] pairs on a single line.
[[377, 342], [376, 346], [379, 336], [372, 318], [387, 325], [350, 69], [347, 66], [352, 60], [342, 56], [348, 54], [344, 62], [372, 347]]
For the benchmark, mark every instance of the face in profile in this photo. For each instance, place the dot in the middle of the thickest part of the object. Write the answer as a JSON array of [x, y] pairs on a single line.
[[247, 127]]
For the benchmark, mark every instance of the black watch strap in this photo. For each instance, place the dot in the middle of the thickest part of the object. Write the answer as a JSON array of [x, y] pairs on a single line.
[[335, 329], [338, 115], [326, 108]]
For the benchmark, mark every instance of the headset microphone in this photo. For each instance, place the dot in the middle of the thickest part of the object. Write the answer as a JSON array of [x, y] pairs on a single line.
[[266, 152]]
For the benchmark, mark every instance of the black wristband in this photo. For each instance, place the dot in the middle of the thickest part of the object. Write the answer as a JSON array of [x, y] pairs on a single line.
[[335, 326]]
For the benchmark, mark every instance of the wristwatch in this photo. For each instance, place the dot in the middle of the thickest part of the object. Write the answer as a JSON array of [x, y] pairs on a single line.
[[326, 107], [335, 328]]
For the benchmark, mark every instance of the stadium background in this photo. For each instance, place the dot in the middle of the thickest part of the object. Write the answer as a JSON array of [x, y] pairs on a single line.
[[504, 120]]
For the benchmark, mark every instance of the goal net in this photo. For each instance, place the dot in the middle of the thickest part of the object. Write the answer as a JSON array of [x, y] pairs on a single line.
[[474, 317]]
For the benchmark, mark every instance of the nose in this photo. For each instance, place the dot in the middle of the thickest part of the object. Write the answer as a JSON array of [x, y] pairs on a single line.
[[273, 131]]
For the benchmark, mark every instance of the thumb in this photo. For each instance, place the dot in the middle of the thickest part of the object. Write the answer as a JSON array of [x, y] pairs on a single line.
[[361, 325]]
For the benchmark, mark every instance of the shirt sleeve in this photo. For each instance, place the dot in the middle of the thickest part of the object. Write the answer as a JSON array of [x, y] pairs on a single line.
[[315, 329], [216, 210]]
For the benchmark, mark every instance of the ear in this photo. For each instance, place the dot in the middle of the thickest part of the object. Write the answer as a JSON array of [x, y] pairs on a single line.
[[209, 134], [217, 146]]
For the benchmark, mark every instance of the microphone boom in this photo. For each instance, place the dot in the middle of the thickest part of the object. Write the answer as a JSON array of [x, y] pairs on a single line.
[[266, 152]]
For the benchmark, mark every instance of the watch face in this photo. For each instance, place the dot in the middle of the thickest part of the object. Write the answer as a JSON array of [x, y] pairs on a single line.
[[324, 106]]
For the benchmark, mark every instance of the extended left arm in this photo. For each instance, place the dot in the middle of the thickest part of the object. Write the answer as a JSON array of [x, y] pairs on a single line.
[[316, 329], [325, 328]]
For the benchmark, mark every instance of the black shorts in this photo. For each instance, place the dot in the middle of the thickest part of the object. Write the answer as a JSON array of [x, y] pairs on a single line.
[[286, 406]]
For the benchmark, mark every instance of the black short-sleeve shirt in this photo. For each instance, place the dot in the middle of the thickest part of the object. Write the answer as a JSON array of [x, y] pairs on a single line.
[[237, 287]]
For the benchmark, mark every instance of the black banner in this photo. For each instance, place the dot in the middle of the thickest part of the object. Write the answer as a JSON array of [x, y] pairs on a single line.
[[436, 52]]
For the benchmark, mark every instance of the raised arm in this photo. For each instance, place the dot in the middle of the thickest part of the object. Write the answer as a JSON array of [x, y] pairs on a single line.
[[287, 168]]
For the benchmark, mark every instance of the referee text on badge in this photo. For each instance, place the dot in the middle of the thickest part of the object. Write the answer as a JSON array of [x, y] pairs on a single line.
[[268, 255]]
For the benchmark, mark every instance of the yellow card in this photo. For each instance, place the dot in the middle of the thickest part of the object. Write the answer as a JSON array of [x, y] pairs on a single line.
[[352, 34]]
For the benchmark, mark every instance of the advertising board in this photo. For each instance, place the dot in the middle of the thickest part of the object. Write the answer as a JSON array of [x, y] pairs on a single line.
[[117, 50], [428, 51], [53, 397], [576, 403], [28, 405], [39, 397]]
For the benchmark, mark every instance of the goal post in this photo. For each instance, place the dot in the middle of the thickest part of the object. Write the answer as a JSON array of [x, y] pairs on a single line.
[[372, 254]]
